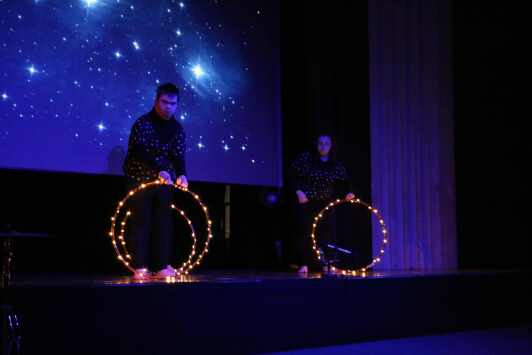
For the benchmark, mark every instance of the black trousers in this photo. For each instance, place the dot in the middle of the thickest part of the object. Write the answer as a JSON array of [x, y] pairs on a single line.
[[325, 233], [151, 227]]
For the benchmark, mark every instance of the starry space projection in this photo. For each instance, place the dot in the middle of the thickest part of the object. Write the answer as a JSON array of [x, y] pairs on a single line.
[[76, 74]]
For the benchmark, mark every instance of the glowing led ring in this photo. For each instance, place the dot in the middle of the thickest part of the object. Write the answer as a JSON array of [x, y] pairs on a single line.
[[384, 231], [193, 259], [122, 242]]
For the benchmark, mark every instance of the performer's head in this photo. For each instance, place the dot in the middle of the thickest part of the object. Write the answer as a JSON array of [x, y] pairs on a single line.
[[166, 100], [324, 144]]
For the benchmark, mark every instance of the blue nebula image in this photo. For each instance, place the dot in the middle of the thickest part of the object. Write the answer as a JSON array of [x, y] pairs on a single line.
[[75, 75]]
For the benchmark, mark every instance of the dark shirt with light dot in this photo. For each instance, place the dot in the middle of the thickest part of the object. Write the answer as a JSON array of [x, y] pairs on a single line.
[[155, 144], [319, 180]]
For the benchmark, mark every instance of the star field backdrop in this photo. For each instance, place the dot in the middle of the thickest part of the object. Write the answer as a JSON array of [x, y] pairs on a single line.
[[76, 74]]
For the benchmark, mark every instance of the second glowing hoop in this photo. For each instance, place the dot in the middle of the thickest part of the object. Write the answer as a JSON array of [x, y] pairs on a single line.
[[384, 232]]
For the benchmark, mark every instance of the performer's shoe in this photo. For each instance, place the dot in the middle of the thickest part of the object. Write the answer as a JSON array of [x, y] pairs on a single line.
[[293, 267], [141, 274], [169, 271], [330, 270], [303, 269]]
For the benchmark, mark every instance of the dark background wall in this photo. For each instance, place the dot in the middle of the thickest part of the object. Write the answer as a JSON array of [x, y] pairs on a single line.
[[493, 145], [324, 88]]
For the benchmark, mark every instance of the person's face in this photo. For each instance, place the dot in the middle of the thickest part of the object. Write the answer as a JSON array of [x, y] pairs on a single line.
[[166, 105], [324, 145]]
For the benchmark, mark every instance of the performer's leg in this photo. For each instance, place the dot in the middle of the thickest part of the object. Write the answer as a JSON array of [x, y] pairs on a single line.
[[303, 247], [300, 232], [139, 235], [327, 235], [162, 218]]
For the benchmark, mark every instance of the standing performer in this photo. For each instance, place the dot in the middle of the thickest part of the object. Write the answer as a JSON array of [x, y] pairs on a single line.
[[318, 178], [156, 150]]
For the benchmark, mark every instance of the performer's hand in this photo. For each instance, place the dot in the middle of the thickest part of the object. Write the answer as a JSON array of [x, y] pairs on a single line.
[[166, 177], [350, 196], [302, 198], [182, 181]]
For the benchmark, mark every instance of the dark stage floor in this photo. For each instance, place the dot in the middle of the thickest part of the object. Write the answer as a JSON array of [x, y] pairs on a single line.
[[244, 312], [223, 277]]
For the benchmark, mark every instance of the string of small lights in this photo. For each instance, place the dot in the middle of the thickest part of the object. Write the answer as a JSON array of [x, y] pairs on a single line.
[[362, 271], [186, 266], [194, 258]]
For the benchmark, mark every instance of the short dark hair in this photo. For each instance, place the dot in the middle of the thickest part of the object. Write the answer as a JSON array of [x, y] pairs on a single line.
[[167, 89]]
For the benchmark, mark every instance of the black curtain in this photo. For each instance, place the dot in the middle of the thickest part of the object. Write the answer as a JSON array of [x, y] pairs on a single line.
[[325, 85]]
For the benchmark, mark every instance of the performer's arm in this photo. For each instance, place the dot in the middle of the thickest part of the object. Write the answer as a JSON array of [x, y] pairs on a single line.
[[299, 168], [178, 160], [344, 182]]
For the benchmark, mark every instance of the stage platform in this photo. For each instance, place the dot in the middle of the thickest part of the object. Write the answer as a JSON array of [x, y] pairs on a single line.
[[236, 312]]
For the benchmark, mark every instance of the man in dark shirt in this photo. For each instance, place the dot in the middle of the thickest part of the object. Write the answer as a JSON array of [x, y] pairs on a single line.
[[156, 150]]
